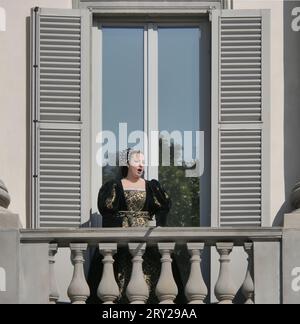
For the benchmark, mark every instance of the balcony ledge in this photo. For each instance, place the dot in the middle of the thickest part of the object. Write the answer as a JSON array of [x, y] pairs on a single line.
[[152, 236]]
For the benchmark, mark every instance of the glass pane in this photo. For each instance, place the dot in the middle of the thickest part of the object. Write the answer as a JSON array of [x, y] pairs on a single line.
[[179, 110], [123, 84]]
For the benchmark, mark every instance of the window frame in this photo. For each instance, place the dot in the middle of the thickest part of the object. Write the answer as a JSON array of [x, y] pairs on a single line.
[[147, 7], [151, 112], [148, 10], [188, 10]]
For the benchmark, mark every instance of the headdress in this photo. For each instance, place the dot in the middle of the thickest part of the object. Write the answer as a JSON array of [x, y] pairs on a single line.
[[124, 157]]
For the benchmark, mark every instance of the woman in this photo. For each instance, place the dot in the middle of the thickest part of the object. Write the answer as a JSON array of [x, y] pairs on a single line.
[[132, 202]]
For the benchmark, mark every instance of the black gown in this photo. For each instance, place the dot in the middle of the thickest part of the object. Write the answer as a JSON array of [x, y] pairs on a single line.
[[134, 208], [112, 204]]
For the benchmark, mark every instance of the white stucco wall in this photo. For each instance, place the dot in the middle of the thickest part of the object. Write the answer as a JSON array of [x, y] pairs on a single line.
[[277, 194], [13, 97]]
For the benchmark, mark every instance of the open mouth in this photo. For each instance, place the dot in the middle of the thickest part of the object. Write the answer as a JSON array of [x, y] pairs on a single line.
[[140, 170]]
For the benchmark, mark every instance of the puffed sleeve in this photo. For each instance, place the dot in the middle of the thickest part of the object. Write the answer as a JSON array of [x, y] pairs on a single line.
[[108, 203], [162, 203]]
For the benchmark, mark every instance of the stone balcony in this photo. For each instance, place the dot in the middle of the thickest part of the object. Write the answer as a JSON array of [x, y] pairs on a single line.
[[262, 247], [268, 262]]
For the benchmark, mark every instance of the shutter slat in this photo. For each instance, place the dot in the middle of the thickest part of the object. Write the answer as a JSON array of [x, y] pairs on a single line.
[[60, 51], [57, 31], [60, 24], [60, 58], [58, 104], [240, 151], [236, 175], [72, 87]]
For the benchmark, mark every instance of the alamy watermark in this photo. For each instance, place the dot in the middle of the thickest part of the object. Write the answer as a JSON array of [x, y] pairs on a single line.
[[296, 19], [2, 280], [2, 19], [176, 148], [296, 281]]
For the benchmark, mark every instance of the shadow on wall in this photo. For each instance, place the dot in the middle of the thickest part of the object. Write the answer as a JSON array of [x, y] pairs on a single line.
[[291, 105]]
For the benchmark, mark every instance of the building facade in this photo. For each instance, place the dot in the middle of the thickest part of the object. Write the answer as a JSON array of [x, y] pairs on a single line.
[[234, 68]]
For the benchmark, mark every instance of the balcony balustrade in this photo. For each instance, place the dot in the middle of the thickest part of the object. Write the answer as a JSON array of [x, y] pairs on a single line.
[[195, 240], [270, 256]]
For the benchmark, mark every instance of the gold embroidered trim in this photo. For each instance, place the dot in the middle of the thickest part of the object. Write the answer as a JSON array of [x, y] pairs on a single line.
[[109, 201]]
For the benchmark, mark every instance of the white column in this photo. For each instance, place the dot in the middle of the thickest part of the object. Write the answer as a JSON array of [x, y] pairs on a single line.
[[195, 290], [54, 294], [108, 290], [78, 290], [137, 289], [166, 289], [225, 290], [248, 285]]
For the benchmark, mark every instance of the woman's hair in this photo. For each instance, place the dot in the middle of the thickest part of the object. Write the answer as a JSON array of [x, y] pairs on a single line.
[[127, 156]]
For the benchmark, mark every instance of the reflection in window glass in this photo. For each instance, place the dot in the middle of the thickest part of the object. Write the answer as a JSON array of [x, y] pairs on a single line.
[[123, 83], [178, 86]]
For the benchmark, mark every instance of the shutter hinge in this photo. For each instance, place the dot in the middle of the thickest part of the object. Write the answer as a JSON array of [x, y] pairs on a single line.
[[36, 9], [35, 176], [35, 121], [35, 66]]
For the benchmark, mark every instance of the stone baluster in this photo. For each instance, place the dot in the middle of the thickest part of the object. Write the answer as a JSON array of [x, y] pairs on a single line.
[[224, 289], [4, 196], [137, 289], [166, 289], [54, 294], [292, 220], [195, 290], [108, 290], [295, 198], [78, 290], [248, 285]]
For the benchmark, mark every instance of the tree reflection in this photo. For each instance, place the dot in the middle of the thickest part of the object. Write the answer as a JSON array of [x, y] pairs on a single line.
[[183, 191]]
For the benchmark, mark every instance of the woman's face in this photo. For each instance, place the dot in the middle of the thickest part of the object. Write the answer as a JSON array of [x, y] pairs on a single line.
[[137, 164]]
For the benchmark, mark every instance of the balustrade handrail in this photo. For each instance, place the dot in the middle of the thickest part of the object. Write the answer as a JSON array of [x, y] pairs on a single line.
[[137, 239], [154, 235]]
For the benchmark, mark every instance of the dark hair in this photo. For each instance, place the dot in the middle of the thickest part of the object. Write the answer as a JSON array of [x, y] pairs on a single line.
[[124, 171]]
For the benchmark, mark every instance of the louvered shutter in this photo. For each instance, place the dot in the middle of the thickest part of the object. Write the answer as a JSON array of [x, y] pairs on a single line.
[[240, 118], [60, 114]]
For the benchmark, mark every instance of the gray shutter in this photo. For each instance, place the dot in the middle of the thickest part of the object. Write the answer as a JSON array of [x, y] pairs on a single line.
[[60, 114], [240, 118]]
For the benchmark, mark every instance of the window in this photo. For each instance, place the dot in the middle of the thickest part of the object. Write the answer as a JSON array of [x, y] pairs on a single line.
[[165, 97], [69, 110], [122, 87], [182, 55]]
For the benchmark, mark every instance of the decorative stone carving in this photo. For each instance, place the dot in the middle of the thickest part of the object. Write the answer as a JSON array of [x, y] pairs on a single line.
[[292, 220], [295, 197], [4, 196]]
